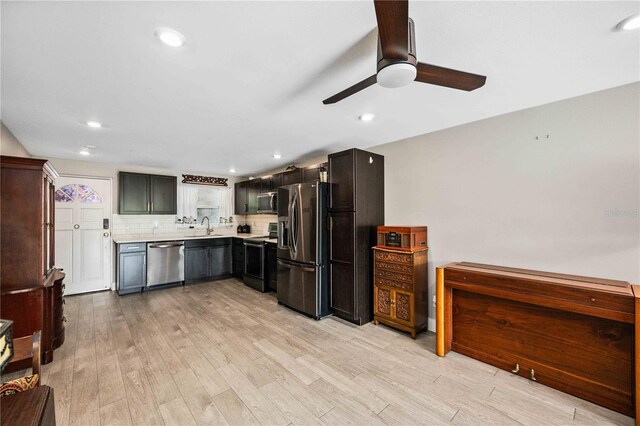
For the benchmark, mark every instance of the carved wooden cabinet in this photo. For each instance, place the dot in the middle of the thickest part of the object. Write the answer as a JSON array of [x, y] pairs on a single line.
[[31, 289], [400, 289]]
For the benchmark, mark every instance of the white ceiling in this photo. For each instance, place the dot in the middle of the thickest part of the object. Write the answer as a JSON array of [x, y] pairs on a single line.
[[251, 78]]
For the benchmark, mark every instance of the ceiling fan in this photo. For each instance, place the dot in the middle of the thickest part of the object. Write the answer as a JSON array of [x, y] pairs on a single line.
[[397, 63]]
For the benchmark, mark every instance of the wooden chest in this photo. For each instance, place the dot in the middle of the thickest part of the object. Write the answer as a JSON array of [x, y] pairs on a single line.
[[403, 238], [400, 289], [575, 334]]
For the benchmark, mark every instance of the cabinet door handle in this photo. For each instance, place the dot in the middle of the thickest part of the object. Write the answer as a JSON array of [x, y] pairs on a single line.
[[64, 319], [151, 206], [517, 369], [533, 375], [144, 259], [148, 206], [76, 226]]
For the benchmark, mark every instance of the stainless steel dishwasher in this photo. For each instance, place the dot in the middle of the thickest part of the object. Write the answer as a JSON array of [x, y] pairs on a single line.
[[165, 262]]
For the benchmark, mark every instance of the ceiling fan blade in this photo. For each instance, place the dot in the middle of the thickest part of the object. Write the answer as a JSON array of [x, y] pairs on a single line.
[[351, 90], [393, 28], [447, 77]]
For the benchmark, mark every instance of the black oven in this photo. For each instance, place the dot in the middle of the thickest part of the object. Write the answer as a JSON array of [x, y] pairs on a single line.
[[268, 203], [254, 264]]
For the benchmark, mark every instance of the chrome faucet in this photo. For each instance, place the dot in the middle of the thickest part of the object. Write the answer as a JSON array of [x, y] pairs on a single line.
[[209, 229]]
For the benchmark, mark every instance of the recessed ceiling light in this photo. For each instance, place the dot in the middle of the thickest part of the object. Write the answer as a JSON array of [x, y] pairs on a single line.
[[94, 124], [232, 170], [366, 117], [85, 152], [277, 156], [170, 37], [630, 23]]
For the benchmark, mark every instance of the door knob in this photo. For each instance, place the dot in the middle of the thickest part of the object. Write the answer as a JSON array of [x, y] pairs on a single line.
[[105, 234], [76, 226]]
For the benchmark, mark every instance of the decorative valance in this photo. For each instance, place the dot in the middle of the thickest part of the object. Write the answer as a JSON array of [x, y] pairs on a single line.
[[204, 180]]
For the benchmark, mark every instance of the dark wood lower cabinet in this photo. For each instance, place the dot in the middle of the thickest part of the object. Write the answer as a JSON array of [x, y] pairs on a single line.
[[238, 257], [37, 308], [575, 334], [207, 259]]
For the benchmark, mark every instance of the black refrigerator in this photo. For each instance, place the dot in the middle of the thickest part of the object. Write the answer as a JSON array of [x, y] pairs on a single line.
[[356, 208], [302, 248]]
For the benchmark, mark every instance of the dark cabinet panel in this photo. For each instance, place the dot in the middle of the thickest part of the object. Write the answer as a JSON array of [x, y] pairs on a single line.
[[356, 200], [342, 188], [196, 263], [219, 261], [163, 194], [238, 257], [342, 289], [292, 177], [147, 194], [271, 183], [240, 195], [342, 236], [311, 175], [132, 272], [272, 266], [133, 193], [253, 189], [207, 259]]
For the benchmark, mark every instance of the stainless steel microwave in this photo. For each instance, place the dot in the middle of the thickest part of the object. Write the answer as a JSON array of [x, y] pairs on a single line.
[[268, 203]]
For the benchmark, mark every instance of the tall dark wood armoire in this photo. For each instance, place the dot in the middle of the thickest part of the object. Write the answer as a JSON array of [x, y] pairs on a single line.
[[356, 208], [31, 289]]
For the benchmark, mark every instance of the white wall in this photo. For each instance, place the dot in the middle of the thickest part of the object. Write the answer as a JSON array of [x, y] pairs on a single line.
[[491, 193], [9, 145], [93, 169]]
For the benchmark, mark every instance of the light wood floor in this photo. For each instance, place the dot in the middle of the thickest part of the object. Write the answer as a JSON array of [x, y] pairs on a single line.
[[218, 353]]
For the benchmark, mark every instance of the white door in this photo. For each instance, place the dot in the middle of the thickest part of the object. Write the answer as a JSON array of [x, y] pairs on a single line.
[[83, 240]]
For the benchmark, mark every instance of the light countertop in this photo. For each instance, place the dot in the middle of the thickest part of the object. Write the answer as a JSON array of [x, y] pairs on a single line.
[[143, 238]]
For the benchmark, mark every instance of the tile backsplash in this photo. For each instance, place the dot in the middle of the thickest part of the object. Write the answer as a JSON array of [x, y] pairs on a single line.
[[166, 224]]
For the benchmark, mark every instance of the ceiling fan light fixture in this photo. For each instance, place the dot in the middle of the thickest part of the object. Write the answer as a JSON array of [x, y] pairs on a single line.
[[630, 23], [397, 75], [170, 37]]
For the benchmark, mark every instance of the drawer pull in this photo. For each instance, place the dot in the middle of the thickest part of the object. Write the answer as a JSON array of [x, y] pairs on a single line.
[[533, 375], [517, 369]]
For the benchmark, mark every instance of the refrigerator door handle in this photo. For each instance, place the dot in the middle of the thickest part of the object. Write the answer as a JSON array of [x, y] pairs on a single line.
[[294, 224], [292, 266]]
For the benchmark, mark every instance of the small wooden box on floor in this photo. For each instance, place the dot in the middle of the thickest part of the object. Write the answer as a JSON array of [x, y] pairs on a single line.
[[400, 282], [576, 334]]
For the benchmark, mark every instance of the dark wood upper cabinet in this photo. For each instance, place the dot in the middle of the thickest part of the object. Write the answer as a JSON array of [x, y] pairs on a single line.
[[342, 188], [240, 197], [292, 177], [133, 193], [271, 183], [147, 194], [312, 174], [163, 194], [253, 189]]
